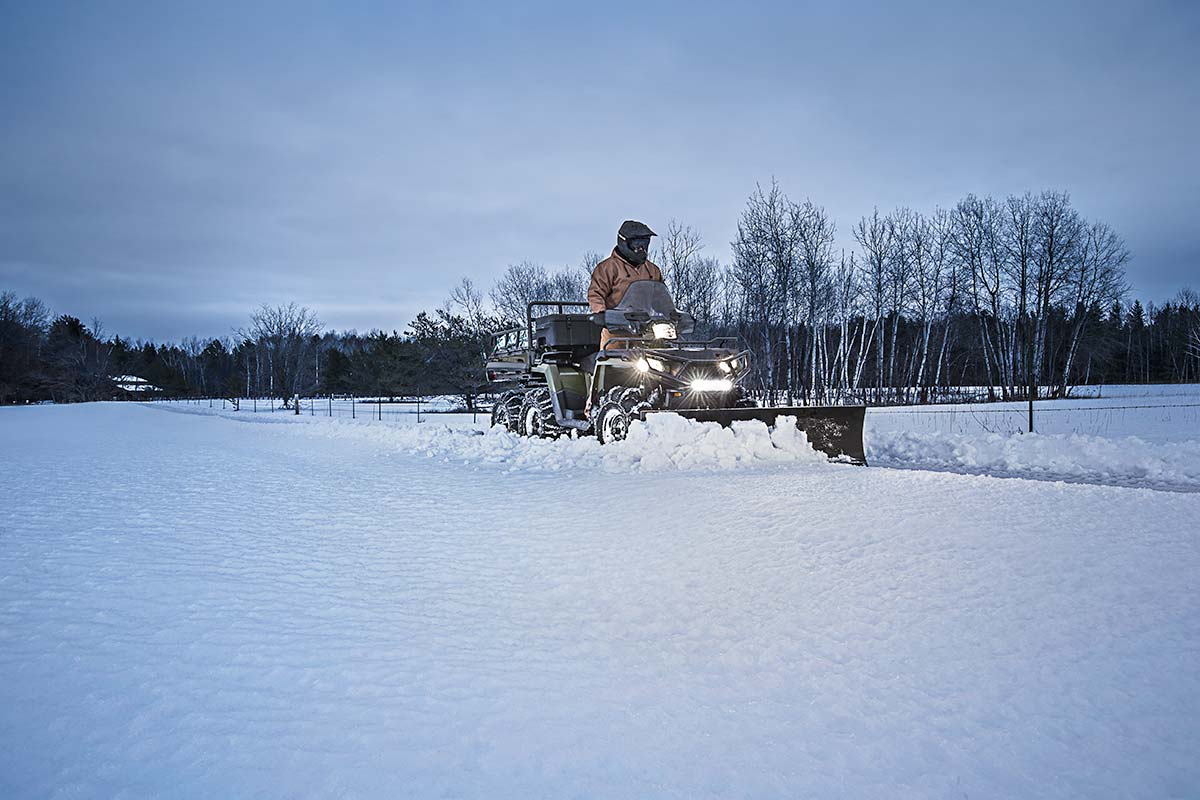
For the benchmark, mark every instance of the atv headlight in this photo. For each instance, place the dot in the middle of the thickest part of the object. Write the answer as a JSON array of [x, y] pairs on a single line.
[[711, 385], [724, 366], [663, 330], [647, 364]]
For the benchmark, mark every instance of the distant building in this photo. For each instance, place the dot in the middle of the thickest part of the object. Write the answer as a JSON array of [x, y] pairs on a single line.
[[133, 386]]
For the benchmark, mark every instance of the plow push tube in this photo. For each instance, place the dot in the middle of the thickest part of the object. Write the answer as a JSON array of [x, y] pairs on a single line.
[[836, 431]]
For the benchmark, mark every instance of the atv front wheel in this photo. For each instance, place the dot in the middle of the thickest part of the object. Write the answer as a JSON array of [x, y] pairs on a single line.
[[537, 416], [618, 410], [612, 423]]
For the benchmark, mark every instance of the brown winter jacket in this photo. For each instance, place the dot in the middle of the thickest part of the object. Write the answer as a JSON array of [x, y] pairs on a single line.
[[611, 278]]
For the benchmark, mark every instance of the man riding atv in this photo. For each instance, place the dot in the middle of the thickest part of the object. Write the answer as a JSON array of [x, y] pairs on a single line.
[[629, 356], [629, 262]]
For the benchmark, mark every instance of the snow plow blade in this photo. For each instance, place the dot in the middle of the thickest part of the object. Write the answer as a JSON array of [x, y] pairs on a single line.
[[836, 431]]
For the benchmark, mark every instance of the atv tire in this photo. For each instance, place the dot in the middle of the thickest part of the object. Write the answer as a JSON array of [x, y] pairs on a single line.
[[620, 406], [506, 411], [537, 416]]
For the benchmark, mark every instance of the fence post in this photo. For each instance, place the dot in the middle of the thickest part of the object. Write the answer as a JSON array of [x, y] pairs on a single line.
[[379, 405], [351, 406], [255, 404], [311, 410], [331, 406]]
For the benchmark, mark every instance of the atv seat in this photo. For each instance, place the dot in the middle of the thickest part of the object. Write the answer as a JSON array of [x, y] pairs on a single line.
[[587, 364]]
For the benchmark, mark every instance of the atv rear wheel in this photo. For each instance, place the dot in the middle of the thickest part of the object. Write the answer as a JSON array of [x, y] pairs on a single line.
[[506, 411], [537, 416]]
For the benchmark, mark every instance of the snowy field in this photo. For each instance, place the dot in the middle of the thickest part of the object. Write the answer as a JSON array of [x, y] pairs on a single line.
[[1140, 436], [1135, 436], [195, 604]]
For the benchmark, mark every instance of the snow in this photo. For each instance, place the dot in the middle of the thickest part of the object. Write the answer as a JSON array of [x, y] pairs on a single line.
[[1153, 414], [1128, 461], [1126, 436], [325, 607]]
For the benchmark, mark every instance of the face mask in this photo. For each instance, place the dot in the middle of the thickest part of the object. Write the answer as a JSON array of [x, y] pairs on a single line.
[[638, 247], [640, 244]]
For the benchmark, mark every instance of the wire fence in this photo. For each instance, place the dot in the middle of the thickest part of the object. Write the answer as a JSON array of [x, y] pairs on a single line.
[[1169, 415], [1159, 422], [405, 410]]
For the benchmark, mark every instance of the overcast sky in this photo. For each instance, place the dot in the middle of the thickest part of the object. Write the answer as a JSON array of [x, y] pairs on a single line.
[[168, 166]]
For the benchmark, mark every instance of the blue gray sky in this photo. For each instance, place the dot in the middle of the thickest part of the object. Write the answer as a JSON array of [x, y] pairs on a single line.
[[168, 166]]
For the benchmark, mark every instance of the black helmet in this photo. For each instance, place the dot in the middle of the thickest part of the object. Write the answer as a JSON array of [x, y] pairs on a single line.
[[633, 241]]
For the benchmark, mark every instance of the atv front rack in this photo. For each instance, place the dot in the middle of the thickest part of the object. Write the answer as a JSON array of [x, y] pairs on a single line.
[[678, 343]]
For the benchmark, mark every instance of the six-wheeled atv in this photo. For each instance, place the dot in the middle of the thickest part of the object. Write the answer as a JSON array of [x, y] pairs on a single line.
[[560, 380]]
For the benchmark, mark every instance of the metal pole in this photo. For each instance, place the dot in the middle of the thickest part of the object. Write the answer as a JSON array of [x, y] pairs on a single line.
[[418, 405], [379, 404], [331, 405], [1032, 378], [351, 406]]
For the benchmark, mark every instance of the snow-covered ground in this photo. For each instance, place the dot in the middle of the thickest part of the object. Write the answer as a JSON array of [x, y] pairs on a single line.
[[1119, 435], [194, 605], [1136, 436]]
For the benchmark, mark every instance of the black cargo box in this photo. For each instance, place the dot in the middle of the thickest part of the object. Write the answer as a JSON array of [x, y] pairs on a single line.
[[566, 330]]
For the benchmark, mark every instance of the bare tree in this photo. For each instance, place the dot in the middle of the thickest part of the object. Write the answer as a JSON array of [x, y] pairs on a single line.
[[1060, 233], [925, 239], [694, 279], [1188, 303], [766, 266], [1097, 279], [677, 255], [705, 293], [528, 281], [520, 284], [284, 334], [850, 357], [587, 265], [942, 228], [815, 288], [974, 242], [566, 284], [876, 236]]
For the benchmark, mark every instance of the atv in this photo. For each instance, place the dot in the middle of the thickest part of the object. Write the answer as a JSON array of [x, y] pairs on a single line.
[[555, 371]]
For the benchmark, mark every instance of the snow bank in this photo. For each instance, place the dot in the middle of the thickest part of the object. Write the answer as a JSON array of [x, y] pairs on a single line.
[[664, 442], [1126, 461]]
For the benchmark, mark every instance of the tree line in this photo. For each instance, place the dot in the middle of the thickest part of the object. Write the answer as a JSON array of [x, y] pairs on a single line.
[[991, 297]]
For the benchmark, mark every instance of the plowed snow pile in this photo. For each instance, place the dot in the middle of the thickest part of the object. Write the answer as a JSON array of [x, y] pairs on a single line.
[[1127, 461], [1138, 436], [663, 442]]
